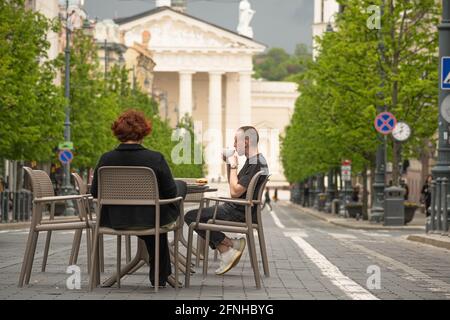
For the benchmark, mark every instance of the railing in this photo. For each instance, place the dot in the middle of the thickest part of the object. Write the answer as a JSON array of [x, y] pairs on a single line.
[[15, 206]]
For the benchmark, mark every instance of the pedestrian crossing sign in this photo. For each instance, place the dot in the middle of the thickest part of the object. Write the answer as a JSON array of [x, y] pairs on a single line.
[[445, 75]]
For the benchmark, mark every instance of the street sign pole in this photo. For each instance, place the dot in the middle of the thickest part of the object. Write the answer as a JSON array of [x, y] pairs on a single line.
[[67, 188], [442, 167]]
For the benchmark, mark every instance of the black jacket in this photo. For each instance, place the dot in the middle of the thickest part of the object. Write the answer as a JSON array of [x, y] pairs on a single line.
[[119, 217]]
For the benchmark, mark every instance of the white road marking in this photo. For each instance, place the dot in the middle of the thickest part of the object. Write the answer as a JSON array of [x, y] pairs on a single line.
[[276, 220], [342, 236], [436, 284], [329, 270]]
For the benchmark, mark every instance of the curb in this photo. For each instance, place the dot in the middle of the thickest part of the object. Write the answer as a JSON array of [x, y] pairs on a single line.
[[431, 240], [342, 223]]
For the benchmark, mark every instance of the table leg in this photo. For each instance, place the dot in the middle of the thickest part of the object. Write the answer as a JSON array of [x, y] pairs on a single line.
[[141, 256]]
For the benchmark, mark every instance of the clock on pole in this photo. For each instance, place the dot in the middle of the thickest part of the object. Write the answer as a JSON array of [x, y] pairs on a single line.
[[401, 132]]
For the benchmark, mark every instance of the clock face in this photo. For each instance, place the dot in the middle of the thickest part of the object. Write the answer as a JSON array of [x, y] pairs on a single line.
[[401, 131]]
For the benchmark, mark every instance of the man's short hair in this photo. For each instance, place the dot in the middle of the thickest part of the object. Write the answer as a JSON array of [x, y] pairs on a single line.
[[250, 131]]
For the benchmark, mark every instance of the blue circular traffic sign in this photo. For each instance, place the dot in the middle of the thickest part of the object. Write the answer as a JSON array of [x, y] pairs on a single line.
[[385, 122], [65, 156]]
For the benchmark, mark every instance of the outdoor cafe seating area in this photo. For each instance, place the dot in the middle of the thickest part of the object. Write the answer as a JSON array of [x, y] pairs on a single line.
[[138, 186]]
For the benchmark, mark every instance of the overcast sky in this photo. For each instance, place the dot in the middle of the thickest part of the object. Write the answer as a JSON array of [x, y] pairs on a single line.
[[277, 23]]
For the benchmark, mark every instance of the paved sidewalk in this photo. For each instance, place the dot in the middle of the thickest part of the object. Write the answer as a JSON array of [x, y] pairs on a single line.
[[309, 259], [417, 224]]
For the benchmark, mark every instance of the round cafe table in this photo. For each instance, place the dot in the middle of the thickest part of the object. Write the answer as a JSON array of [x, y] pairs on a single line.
[[141, 257]]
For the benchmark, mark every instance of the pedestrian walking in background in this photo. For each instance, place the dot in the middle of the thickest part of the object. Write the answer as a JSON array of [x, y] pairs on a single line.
[[275, 195], [405, 186], [355, 193], [267, 200], [425, 195], [306, 196]]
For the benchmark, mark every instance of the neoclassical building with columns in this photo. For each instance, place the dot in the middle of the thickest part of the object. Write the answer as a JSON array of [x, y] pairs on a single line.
[[205, 71]]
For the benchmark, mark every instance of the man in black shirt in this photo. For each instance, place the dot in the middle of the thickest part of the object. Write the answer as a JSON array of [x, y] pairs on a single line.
[[245, 143]]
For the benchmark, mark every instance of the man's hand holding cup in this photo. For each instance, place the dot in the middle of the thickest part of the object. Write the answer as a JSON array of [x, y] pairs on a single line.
[[229, 156]]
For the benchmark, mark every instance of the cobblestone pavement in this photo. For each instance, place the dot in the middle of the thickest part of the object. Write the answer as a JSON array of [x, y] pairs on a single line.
[[309, 259]]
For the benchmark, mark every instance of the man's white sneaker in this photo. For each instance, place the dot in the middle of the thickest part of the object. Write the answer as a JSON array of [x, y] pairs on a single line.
[[228, 260], [239, 244]]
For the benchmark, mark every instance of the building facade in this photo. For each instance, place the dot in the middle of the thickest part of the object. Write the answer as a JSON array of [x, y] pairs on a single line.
[[324, 14], [204, 71]]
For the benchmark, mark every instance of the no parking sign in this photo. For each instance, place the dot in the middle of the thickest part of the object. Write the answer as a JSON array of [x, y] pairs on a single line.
[[65, 156], [385, 122]]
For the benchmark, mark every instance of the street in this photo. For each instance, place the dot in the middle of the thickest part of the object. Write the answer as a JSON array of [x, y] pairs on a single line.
[[309, 259]]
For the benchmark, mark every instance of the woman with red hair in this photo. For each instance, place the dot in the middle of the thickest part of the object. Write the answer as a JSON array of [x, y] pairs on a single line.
[[130, 129]]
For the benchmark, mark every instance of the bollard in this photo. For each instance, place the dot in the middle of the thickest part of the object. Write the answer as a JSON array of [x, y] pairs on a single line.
[[433, 206], [444, 207]]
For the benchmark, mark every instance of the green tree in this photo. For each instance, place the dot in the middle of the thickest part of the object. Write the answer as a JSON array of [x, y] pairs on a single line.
[[334, 115], [278, 65], [94, 106], [31, 105]]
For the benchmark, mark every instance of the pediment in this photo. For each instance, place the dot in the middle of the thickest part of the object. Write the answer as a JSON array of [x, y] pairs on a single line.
[[173, 31]]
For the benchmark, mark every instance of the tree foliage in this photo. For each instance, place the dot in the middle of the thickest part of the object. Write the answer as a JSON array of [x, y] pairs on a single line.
[[98, 99], [278, 65], [31, 105], [340, 92]]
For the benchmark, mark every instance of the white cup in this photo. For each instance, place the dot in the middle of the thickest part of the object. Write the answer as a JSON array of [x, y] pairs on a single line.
[[228, 152]]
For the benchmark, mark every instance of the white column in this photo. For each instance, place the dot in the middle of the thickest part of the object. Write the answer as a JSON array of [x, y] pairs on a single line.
[[185, 97], [232, 109], [215, 125], [245, 98]]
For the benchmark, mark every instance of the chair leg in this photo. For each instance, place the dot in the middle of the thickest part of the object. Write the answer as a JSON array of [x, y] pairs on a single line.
[[75, 247], [198, 251], [205, 254], [175, 256], [94, 268], [156, 262], [88, 247], [262, 247], [252, 252], [26, 258], [187, 274], [101, 253], [47, 247], [119, 258], [128, 248], [31, 257]]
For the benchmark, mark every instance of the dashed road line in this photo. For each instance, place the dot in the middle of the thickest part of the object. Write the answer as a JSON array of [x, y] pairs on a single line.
[[329, 270]]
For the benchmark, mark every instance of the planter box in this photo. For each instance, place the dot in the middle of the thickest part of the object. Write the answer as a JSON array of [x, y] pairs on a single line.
[[354, 209], [409, 213]]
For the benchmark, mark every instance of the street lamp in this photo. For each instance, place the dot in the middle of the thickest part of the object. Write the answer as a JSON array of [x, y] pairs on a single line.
[[442, 167], [67, 187], [377, 210]]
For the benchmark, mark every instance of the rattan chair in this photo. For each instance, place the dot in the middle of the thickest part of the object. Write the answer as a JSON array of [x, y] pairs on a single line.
[[132, 186], [195, 198], [234, 227], [44, 195], [88, 203]]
